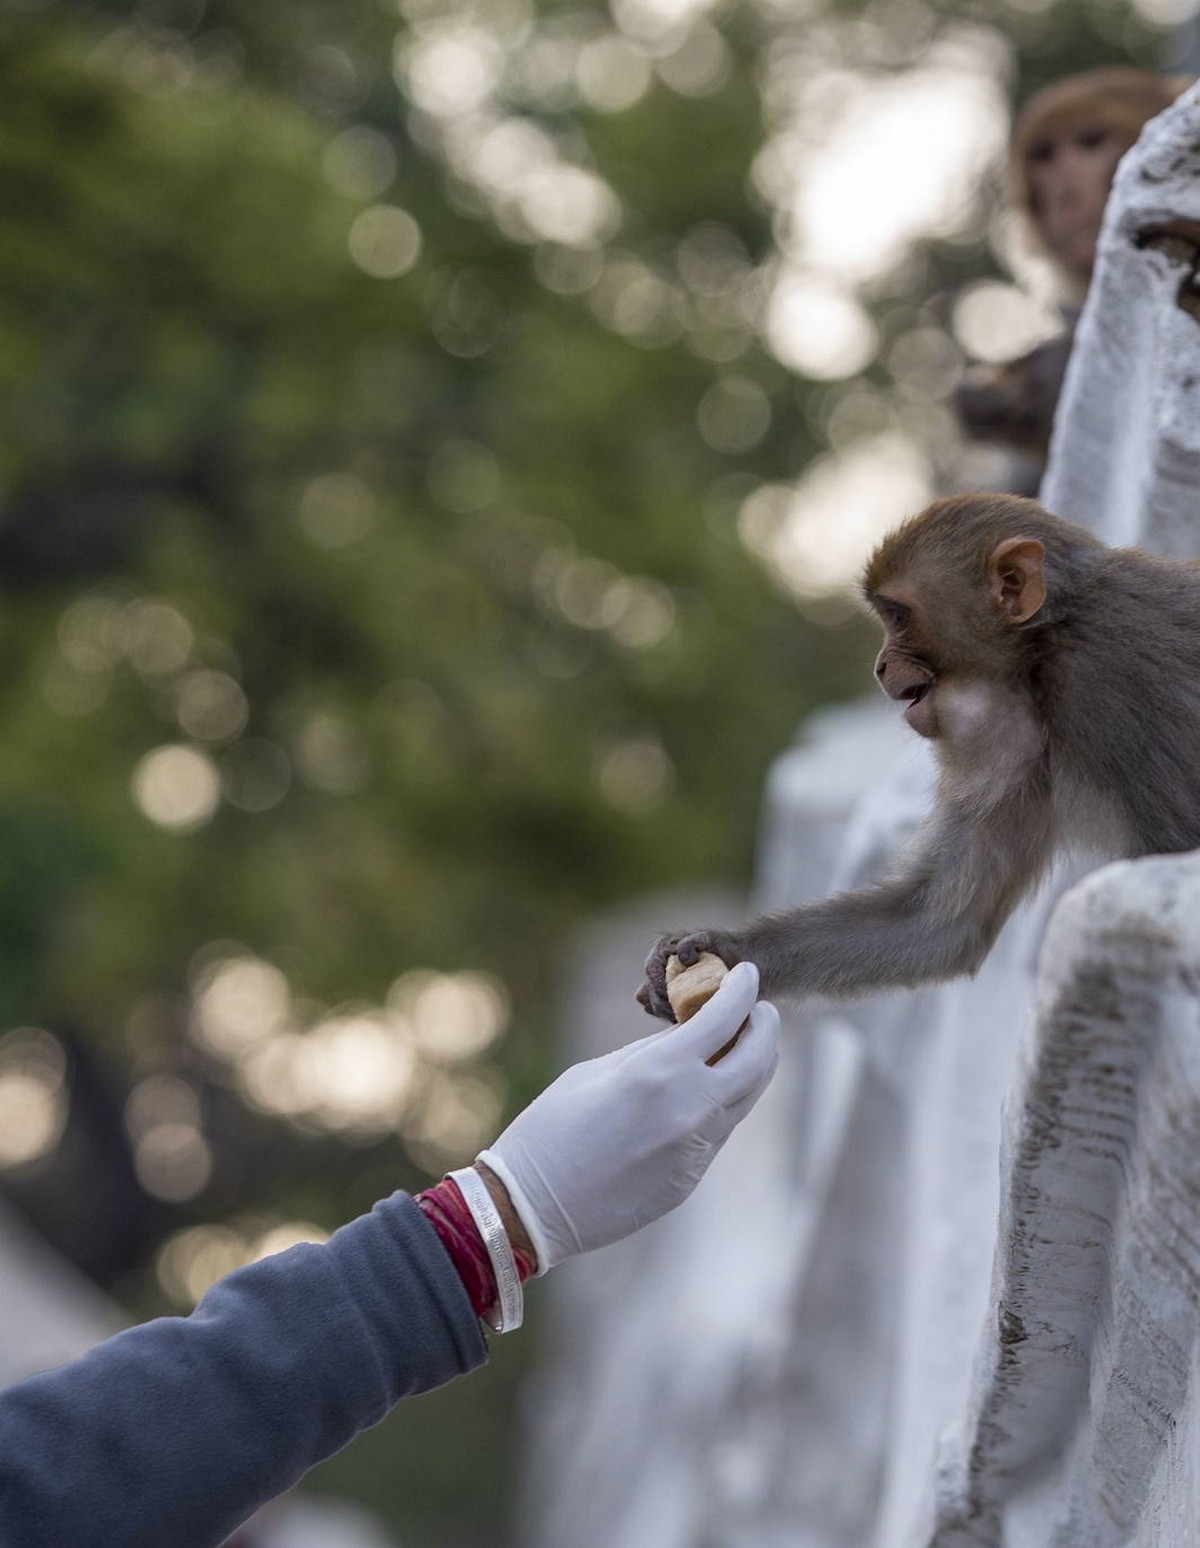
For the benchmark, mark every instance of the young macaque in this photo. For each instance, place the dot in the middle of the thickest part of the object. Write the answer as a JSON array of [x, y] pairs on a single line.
[[1059, 682]]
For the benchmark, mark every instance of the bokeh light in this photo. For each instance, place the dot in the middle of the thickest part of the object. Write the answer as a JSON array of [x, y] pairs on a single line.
[[356, 1072], [459, 75], [237, 1003], [457, 1116], [1167, 13], [177, 787], [158, 639], [255, 775], [330, 755], [864, 164], [635, 301], [818, 328], [360, 162], [734, 414], [568, 205], [635, 775], [191, 1261], [453, 1016], [210, 706], [612, 74], [700, 65], [384, 241], [568, 271], [336, 510], [925, 363], [816, 535], [360, 1071], [33, 1096], [71, 692], [861, 165], [659, 20], [994, 321], [173, 1162], [637, 611], [450, 69], [90, 634]]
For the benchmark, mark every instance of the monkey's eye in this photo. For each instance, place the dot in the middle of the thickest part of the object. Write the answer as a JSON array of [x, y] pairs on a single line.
[[1091, 138], [894, 614]]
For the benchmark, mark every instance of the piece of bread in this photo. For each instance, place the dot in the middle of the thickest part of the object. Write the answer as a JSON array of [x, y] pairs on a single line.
[[688, 988]]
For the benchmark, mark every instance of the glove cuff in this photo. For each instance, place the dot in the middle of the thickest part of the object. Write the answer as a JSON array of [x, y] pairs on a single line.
[[524, 1208]]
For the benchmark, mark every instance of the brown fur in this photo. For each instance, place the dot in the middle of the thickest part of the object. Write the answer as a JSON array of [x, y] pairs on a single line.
[[1120, 97], [1060, 681], [1013, 404]]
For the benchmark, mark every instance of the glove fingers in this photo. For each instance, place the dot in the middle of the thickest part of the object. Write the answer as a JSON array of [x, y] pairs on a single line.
[[747, 1068], [736, 1111], [715, 1023]]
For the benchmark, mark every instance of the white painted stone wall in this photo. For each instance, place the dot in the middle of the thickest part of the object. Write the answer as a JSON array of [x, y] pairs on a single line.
[[943, 1289]]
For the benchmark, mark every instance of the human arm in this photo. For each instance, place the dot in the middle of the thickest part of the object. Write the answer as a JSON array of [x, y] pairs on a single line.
[[177, 1430]]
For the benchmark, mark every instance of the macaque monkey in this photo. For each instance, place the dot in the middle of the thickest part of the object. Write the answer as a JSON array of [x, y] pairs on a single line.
[[1059, 682], [1062, 157]]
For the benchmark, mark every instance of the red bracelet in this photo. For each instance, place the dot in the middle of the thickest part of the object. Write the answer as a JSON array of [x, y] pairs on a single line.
[[446, 1210]]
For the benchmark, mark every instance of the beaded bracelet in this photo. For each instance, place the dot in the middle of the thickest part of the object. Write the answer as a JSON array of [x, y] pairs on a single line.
[[491, 1271]]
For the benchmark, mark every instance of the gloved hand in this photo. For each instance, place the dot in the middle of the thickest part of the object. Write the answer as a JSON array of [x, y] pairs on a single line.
[[617, 1141]]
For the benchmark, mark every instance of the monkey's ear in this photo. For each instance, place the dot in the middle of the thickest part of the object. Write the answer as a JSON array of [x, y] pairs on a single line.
[[1017, 578]]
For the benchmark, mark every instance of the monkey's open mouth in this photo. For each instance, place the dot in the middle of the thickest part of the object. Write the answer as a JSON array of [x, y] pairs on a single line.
[[919, 711]]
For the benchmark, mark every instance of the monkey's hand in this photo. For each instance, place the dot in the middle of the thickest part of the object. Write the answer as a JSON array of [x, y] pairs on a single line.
[[652, 996]]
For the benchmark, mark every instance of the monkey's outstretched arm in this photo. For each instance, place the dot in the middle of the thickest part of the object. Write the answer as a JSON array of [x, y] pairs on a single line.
[[933, 918]]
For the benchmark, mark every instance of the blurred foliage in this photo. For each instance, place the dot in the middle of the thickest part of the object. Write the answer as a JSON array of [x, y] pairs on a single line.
[[433, 572], [186, 348]]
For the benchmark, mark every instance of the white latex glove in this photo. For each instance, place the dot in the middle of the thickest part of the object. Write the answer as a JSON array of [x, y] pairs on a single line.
[[617, 1141]]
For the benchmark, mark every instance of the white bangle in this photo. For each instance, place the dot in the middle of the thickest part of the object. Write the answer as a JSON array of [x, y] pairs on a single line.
[[495, 1238]]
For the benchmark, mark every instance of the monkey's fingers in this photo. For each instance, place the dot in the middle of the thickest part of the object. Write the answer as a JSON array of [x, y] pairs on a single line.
[[654, 1004], [689, 948], [645, 998], [652, 996]]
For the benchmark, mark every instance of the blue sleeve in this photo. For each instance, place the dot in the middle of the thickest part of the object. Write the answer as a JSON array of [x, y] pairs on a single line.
[[174, 1432]]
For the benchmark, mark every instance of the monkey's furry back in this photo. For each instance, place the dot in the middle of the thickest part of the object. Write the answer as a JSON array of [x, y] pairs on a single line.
[[1118, 685]]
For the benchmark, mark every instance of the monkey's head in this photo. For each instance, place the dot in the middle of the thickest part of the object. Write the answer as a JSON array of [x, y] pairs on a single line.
[[962, 591], [1064, 150]]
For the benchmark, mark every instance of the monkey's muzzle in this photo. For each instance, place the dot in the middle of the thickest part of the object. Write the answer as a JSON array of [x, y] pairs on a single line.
[[919, 709]]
